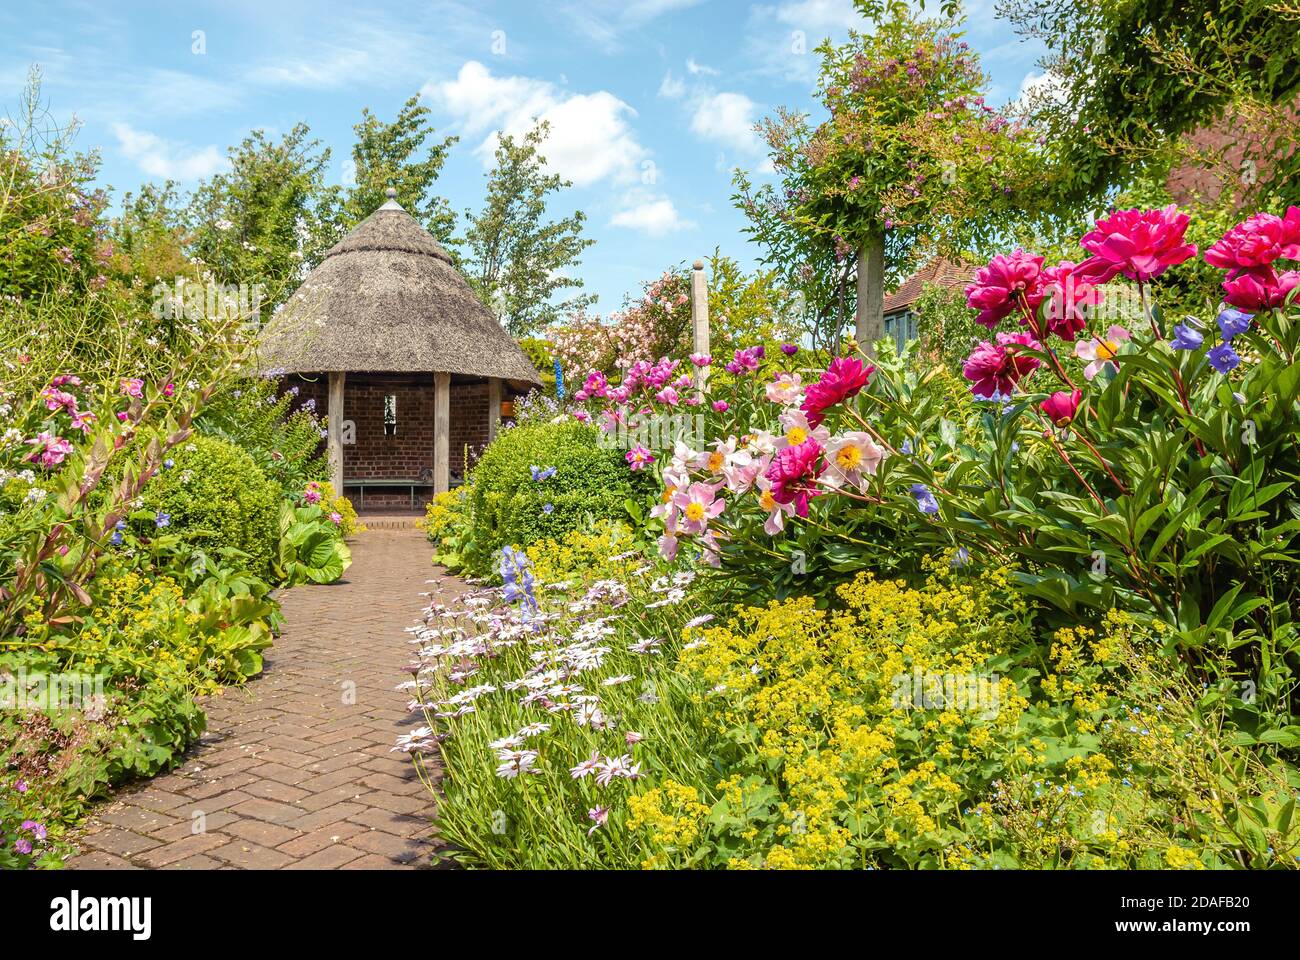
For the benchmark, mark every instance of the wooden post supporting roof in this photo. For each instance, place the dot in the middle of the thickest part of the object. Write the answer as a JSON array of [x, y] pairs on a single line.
[[441, 432], [700, 320], [494, 406], [334, 442]]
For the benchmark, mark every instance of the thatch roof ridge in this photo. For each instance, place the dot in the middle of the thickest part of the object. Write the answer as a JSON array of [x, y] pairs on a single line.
[[387, 298]]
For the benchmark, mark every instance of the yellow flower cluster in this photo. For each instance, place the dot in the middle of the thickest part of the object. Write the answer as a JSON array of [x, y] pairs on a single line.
[[672, 814], [865, 717]]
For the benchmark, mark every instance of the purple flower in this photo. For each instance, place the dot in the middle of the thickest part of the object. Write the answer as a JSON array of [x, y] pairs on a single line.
[[1223, 358], [925, 501], [162, 520], [540, 474], [37, 829], [789, 349], [1233, 322], [1185, 338], [23, 845], [548, 508]]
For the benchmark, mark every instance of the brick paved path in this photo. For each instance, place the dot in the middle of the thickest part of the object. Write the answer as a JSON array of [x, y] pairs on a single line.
[[289, 774]]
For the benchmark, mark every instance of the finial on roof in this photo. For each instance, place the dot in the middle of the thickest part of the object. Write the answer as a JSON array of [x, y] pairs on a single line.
[[391, 203], [391, 193]]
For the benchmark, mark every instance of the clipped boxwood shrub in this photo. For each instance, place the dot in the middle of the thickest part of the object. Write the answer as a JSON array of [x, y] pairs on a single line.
[[215, 495], [509, 507]]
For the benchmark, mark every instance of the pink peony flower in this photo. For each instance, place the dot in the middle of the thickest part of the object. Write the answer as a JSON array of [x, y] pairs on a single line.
[[699, 504], [844, 378], [849, 457], [994, 370], [1074, 289], [133, 387], [336, 518], [776, 512], [794, 472], [1001, 287], [82, 420], [1141, 244], [1259, 288], [721, 406], [1062, 406], [1257, 242], [787, 388], [1101, 353]]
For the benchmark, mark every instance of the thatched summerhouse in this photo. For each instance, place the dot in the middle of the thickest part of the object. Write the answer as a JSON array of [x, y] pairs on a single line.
[[412, 367]]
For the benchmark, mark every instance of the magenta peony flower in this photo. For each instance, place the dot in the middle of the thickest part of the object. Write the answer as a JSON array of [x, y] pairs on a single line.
[[721, 406], [1141, 244], [1062, 406], [1000, 286], [1074, 290], [793, 473], [844, 378], [995, 370], [1257, 242], [1259, 288]]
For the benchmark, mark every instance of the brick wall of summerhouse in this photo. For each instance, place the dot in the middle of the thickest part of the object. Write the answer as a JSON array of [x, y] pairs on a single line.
[[408, 452]]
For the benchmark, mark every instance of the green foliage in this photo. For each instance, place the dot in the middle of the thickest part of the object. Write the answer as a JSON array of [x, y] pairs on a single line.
[[267, 217], [311, 546], [1137, 77], [909, 161], [215, 497], [387, 155], [508, 506], [47, 209], [946, 326], [517, 262], [284, 441]]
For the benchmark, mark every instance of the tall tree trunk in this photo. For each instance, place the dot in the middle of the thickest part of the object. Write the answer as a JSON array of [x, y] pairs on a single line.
[[870, 325]]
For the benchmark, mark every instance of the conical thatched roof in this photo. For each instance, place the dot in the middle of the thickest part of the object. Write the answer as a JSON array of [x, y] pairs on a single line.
[[387, 299]]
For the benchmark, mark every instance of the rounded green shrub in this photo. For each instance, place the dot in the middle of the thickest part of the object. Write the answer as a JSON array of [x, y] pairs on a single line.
[[214, 495], [510, 507]]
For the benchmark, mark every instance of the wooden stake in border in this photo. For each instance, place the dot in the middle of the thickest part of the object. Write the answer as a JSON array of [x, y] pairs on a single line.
[[700, 321]]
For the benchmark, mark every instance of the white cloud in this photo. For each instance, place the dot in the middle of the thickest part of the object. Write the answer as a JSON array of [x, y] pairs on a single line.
[[161, 158], [652, 214], [696, 69], [1037, 88], [672, 87], [590, 138], [820, 18], [727, 118], [605, 21]]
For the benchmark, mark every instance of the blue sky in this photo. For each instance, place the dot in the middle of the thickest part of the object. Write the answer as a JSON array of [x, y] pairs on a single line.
[[651, 102]]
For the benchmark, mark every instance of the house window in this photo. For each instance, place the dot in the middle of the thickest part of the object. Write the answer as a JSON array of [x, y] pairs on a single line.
[[902, 327], [390, 415]]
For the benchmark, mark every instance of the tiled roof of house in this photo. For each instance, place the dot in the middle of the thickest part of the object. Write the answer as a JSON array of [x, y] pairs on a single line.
[[945, 273]]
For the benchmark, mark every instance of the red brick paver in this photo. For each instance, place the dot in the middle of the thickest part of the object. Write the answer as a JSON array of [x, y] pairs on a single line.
[[295, 770]]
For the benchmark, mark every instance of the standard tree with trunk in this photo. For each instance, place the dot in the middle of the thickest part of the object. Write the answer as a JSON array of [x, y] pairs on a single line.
[[907, 163]]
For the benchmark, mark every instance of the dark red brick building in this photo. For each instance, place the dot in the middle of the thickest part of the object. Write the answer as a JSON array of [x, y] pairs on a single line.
[[413, 370]]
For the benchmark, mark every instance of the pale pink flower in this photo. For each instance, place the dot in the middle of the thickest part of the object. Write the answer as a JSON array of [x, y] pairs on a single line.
[[1100, 353]]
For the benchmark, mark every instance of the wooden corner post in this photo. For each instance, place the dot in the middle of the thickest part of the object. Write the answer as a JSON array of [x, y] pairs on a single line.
[[441, 432], [334, 440], [494, 406]]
